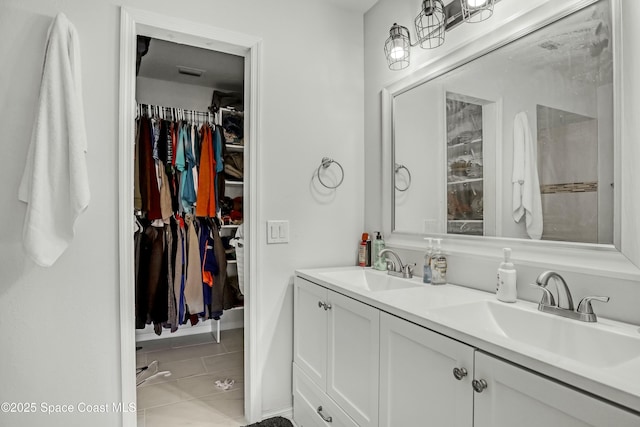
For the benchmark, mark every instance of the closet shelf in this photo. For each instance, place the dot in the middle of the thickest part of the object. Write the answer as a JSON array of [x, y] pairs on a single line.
[[462, 144], [230, 226], [465, 181], [234, 147], [236, 183]]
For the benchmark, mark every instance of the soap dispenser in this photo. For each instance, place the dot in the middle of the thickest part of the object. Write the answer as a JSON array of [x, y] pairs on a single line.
[[379, 262], [438, 265], [426, 273], [506, 286]]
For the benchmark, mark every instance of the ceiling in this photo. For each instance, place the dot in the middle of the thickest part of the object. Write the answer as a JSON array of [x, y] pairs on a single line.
[[356, 5], [222, 71]]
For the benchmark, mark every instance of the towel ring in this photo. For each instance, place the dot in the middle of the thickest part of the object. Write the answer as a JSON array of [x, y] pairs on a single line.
[[326, 162], [397, 169]]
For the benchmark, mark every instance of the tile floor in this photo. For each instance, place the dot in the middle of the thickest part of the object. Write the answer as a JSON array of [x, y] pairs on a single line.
[[189, 397]]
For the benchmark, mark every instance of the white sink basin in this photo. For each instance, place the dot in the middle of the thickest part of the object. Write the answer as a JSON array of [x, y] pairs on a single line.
[[368, 280], [594, 344]]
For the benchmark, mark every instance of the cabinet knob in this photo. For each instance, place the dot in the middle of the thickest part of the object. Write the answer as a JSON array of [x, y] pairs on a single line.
[[479, 385], [323, 416], [324, 305], [459, 373]]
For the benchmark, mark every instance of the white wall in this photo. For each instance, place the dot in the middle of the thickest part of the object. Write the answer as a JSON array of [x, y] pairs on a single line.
[[60, 326], [172, 94], [479, 272]]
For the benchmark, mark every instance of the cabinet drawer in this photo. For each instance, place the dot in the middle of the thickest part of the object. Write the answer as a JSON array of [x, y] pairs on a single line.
[[307, 398]]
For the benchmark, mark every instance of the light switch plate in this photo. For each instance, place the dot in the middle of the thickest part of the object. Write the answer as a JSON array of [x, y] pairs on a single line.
[[277, 231]]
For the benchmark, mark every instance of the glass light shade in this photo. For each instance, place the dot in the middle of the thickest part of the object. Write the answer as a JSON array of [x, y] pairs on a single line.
[[430, 24], [396, 48], [476, 10]]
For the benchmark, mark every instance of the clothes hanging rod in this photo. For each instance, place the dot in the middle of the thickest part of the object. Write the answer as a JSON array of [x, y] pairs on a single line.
[[172, 112]]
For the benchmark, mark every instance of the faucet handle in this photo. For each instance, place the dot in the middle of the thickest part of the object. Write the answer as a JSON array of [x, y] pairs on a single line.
[[547, 296], [408, 271], [584, 306]]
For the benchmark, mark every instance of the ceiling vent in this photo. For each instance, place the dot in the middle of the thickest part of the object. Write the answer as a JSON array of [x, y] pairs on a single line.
[[188, 71]]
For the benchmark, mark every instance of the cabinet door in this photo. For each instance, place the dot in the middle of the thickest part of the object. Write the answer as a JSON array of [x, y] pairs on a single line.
[[352, 377], [310, 330], [517, 397], [417, 383]]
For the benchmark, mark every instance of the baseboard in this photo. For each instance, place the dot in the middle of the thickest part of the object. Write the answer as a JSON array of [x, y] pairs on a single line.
[[284, 412]]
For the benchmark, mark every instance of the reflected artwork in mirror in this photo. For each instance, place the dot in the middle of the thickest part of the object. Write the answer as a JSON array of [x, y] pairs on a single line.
[[517, 143]]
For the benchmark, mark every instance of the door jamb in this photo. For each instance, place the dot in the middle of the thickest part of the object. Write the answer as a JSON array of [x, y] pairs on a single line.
[[132, 23]]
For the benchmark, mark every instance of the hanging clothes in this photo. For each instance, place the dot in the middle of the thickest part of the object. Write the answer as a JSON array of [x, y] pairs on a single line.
[[149, 191], [206, 203], [180, 259], [180, 272], [142, 250], [165, 194], [137, 197], [185, 164], [170, 249], [193, 281], [217, 292]]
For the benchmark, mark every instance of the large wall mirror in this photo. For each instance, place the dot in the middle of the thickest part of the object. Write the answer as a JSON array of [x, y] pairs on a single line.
[[516, 143]]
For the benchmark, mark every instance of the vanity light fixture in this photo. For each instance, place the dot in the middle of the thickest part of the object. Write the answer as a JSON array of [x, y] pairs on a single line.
[[476, 10], [430, 27], [396, 48]]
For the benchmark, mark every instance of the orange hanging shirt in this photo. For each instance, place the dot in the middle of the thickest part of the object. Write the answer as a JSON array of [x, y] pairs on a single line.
[[206, 201]]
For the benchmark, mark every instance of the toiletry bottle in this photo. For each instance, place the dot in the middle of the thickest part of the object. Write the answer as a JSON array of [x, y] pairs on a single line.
[[506, 286], [362, 250], [378, 245], [438, 265], [368, 261], [426, 273]]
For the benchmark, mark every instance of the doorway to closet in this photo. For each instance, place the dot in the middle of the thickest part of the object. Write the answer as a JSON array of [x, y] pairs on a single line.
[[209, 353], [189, 243]]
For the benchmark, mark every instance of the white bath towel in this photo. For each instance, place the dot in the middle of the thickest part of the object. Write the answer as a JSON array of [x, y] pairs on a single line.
[[55, 184], [527, 201]]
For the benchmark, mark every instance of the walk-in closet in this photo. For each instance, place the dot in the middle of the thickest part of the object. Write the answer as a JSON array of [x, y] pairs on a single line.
[[189, 235]]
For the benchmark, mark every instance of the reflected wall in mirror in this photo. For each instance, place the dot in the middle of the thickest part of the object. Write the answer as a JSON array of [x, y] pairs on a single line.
[[517, 143]]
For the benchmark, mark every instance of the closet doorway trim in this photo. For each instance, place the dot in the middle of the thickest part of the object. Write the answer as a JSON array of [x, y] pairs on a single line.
[[134, 22]]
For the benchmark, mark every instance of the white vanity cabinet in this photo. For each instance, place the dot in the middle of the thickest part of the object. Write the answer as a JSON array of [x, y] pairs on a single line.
[[517, 397], [359, 365], [417, 381], [336, 358]]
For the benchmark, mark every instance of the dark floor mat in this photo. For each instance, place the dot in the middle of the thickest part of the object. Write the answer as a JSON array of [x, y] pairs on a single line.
[[273, 422]]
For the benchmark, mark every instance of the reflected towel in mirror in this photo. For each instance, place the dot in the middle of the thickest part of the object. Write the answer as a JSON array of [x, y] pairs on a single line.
[[527, 201]]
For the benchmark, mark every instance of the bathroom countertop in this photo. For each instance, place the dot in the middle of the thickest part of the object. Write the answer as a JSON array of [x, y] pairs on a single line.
[[619, 383]]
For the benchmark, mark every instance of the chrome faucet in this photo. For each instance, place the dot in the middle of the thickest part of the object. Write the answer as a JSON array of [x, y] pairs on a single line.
[[543, 281], [548, 304], [397, 268]]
